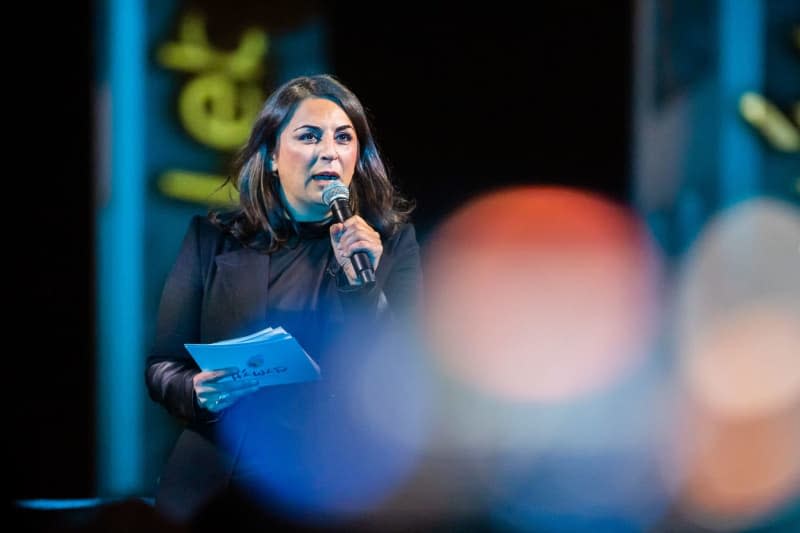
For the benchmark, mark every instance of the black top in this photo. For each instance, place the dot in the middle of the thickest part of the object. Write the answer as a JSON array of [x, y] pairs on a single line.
[[301, 276]]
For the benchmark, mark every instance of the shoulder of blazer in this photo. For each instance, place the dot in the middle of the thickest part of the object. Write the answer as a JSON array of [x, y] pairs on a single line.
[[212, 240], [403, 238], [209, 242]]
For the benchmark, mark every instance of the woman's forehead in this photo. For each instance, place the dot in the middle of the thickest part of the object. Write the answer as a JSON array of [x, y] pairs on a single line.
[[320, 110]]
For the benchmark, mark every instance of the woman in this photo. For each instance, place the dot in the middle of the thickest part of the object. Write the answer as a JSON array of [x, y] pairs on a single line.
[[278, 259]]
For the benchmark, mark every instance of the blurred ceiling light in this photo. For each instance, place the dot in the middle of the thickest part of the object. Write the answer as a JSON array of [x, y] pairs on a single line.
[[540, 293], [739, 472], [738, 310]]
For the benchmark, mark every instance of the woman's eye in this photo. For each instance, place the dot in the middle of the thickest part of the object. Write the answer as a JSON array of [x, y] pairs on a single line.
[[344, 137], [307, 137]]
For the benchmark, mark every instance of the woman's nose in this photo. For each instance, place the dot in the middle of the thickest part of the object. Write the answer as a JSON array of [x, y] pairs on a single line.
[[328, 149]]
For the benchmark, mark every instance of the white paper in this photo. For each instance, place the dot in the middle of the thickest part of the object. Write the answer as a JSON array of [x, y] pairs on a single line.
[[270, 356]]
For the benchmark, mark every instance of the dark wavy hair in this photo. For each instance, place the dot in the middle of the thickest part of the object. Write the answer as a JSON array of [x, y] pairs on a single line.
[[261, 220]]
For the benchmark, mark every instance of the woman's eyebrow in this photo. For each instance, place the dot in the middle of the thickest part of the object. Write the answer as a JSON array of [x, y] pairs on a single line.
[[317, 128]]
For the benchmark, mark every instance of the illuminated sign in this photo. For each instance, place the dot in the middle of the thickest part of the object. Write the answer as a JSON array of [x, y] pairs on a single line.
[[218, 104]]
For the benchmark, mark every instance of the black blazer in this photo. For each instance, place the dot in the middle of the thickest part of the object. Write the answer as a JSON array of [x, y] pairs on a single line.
[[219, 289]]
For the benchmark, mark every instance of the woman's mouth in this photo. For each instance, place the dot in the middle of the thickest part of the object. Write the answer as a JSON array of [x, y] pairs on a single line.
[[325, 176]]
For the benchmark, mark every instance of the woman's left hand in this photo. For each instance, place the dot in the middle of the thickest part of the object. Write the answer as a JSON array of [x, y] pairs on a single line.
[[355, 235]]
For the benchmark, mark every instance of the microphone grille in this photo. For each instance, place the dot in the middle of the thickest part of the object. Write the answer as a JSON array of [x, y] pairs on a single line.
[[334, 190]]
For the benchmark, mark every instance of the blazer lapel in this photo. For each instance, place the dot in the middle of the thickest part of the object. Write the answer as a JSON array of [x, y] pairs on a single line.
[[237, 295]]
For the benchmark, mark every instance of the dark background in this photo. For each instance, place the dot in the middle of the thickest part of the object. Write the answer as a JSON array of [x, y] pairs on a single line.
[[50, 220], [470, 99], [464, 100]]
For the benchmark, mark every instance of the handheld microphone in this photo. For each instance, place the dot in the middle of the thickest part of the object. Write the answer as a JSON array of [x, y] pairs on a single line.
[[337, 196]]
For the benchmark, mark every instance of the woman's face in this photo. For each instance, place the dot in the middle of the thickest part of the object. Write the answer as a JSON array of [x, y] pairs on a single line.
[[316, 146]]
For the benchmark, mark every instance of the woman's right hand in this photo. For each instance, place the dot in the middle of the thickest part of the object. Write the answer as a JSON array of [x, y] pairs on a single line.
[[215, 395]]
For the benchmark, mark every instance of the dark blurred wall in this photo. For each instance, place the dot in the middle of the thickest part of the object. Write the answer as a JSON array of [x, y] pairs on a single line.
[[469, 97], [48, 178]]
